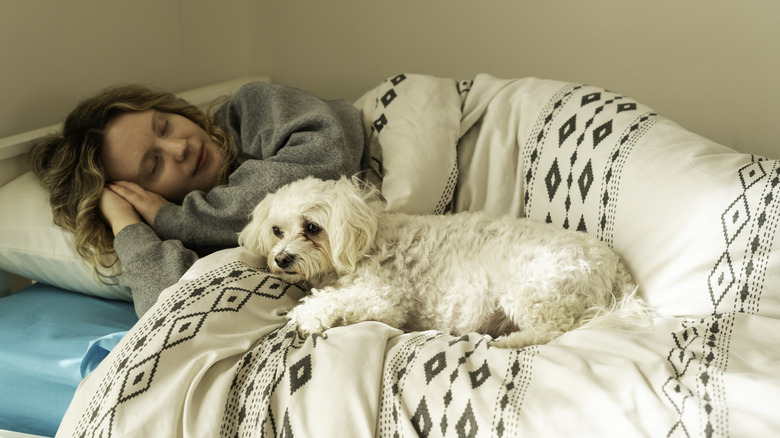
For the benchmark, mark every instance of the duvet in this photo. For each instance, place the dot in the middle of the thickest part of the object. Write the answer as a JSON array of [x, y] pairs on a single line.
[[695, 221]]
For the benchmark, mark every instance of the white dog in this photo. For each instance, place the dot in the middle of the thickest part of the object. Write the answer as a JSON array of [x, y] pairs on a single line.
[[524, 281]]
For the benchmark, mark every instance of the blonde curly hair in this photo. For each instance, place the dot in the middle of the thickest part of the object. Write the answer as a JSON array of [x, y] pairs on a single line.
[[70, 167]]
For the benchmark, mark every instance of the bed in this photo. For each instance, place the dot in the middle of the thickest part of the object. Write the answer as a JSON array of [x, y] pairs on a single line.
[[696, 223]]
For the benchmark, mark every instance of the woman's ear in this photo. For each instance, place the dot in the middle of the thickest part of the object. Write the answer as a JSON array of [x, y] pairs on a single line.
[[353, 225], [254, 236]]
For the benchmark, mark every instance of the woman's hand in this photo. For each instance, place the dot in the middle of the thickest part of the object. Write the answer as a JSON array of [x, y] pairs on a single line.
[[145, 203], [116, 211], [124, 203]]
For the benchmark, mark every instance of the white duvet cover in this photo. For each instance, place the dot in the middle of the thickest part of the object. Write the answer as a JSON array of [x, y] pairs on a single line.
[[214, 357]]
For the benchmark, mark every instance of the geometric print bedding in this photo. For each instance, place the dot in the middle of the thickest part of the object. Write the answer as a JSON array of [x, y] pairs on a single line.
[[463, 365], [584, 176], [413, 119], [599, 162], [695, 222], [215, 358], [580, 158], [159, 351]]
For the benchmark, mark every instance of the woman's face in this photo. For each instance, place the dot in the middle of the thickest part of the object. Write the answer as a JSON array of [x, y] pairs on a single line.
[[164, 153]]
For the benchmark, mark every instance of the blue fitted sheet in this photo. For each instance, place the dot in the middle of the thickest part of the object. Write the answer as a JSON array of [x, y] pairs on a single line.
[[49, 339]]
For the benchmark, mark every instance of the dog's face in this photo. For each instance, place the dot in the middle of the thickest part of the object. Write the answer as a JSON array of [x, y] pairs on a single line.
[[312, 228]]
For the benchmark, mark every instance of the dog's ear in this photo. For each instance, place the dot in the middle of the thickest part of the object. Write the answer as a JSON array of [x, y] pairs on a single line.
[[353, 224], [254, 236]]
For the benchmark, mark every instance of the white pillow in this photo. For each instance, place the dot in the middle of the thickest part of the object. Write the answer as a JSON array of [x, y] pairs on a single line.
[[413, 124], [696, 222], [33, 247]]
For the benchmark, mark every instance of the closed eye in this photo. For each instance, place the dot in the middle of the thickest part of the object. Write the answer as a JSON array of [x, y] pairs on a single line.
[[164, 128], [155, 165]]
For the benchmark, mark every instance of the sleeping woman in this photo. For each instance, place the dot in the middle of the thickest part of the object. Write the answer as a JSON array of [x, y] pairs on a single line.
[[144, 177]]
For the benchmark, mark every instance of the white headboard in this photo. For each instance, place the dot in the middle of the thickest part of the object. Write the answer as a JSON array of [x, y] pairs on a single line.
[[14, 148]]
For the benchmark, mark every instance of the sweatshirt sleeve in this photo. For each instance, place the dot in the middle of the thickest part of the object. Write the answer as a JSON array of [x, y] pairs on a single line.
[[149, 264], [283, 134]]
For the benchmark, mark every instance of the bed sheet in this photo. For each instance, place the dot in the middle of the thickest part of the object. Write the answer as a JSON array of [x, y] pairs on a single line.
[[11, 434], [50, 338]]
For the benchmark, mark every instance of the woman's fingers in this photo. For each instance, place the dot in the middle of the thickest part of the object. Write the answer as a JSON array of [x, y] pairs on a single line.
[[117, 211], [146, 203], [128, 190]]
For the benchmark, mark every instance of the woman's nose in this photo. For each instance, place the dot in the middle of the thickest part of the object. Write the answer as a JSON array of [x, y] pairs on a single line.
[[176, 148]]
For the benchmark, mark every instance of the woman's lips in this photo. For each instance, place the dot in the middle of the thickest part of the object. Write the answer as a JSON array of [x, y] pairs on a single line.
[[202, 159]]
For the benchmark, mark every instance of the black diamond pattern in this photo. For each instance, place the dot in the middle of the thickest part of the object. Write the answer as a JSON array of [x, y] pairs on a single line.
[[139, 378], [272, 287], [434, 366], [585, 180], [735, 218], [567, 129], [300, 373], [421, 420], [480, 375], [231, 299], [380, 123], [388, 97], [602, 132], [467, 425], [398, 79], [750, 174], [184, 329], [590, 98], [553, 180], [721, 279]]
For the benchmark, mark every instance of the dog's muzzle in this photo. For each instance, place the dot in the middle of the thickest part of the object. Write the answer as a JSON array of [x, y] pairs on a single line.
[[283, 260]]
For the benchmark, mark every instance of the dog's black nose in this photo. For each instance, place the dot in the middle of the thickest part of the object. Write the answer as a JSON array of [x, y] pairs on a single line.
[[283, 260]]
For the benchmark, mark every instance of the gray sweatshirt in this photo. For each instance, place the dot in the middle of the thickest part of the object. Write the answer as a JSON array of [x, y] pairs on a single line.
[[283, 134]]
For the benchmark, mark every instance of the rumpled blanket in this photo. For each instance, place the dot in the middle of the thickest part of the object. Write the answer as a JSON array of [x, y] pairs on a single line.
[[215, 356]]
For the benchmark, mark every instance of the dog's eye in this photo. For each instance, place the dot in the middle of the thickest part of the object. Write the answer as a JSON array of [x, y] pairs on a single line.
[[313, 228], [277, 232]]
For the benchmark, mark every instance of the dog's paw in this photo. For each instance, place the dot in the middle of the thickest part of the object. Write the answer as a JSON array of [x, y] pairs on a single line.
[[508, 344], [525, 338], [307, 322]]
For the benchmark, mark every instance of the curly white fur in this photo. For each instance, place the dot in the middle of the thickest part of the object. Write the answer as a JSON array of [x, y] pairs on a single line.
[[523, 281]]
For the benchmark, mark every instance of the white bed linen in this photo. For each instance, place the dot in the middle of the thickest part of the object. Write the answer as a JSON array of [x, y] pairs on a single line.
[[215, 358], [207, 365]]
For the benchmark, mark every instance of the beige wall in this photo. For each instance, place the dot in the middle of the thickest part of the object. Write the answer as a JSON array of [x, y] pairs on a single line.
[[54, 53], [711, 65]]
